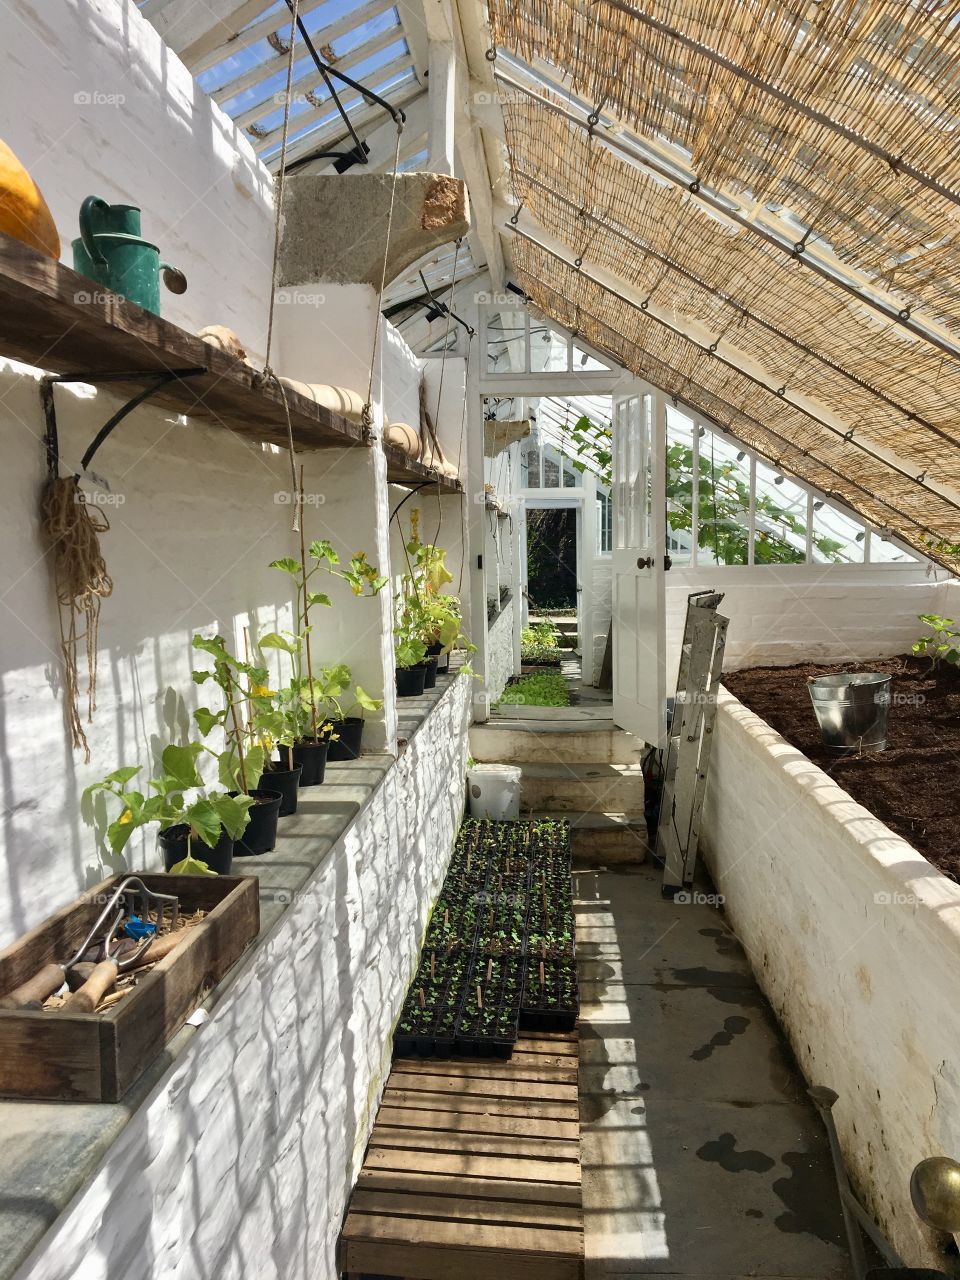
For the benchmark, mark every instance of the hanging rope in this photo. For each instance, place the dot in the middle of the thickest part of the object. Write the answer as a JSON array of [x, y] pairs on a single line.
[[367, 415], [72, 530], [268, 375]]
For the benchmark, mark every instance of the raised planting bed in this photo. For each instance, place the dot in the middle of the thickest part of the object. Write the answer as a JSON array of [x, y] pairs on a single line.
[[51, 1051], [542, 689], [506, 903], [909, 786]]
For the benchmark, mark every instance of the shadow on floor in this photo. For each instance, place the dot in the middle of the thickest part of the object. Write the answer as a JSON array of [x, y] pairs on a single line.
[[702, 1155]]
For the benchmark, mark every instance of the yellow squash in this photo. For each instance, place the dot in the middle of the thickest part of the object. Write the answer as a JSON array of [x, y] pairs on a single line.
[[23, 210]]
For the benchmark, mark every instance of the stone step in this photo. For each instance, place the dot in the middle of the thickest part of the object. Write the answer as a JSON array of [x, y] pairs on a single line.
[[605, 838], [512, 742], [548, 787]]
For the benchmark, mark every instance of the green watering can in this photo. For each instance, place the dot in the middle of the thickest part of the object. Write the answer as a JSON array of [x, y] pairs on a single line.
[[112, 252]]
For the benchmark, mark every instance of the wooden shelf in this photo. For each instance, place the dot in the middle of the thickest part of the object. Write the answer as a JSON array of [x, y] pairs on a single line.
[[61, 322], [404, 470]]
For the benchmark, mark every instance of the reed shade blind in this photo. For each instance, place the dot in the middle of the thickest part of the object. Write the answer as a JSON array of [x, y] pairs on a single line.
[[888, 71], [758, 418], [881, 68]]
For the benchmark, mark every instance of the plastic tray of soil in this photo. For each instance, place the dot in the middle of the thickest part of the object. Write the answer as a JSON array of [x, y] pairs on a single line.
[[502, 930], [490, 1008], [551, 995]]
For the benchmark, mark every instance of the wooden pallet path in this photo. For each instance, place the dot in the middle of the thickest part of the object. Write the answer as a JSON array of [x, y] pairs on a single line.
[[473, 1170]]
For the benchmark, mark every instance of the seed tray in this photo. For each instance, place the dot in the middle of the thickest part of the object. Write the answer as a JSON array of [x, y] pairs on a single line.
[[553, 1005]]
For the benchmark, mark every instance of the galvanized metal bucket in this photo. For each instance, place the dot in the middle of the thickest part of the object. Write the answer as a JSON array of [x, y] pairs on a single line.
[[851, 710]]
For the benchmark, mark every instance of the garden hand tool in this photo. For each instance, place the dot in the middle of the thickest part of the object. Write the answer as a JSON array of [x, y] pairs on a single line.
[[118, 954], [33, 992]]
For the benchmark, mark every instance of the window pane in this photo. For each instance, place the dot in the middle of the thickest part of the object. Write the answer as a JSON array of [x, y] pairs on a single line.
[[506, 341], [883, 551], [679, 487], [621, 420], [583, 360], [837, 537], [551, 471], [548, 351], [570, 477], [781, 519], [531, 463], [604, 524], [723, 502]]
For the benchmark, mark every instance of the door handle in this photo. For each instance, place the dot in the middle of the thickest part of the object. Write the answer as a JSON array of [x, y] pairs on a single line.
[[645, 562]]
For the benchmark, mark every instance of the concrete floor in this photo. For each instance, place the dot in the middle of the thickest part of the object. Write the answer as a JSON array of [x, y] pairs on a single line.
[[701, 1154]]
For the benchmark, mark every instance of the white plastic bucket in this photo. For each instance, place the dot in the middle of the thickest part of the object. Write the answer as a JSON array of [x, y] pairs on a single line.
[[494, 791]]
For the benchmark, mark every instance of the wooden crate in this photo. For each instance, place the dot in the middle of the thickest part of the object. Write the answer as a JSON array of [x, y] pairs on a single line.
[[96, 1057], [473, 1170]]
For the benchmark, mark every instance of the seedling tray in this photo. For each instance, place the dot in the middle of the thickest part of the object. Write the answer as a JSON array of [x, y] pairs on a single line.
[[96, 1057], [555, 1004], [471, 1038]]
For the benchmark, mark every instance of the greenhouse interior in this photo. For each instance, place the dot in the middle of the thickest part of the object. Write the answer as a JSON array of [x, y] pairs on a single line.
[[479, 607]]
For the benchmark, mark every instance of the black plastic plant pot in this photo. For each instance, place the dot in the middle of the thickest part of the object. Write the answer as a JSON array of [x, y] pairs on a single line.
[[410, 680], [173, 843], [311, 755], [430, 678], [261, 833], [287, 781], [345, 745]]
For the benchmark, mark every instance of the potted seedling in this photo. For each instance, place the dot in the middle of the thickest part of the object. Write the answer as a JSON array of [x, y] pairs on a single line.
[[409, 648], [439, 613], [241, 763], [197, 827], [313, 732], [339, 700]]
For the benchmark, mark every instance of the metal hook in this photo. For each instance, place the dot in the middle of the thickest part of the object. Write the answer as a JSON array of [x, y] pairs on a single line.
[[695, 186], [516, 217], [904, 314], [491, 54], [781, 392], [593, 119], [578, 263]]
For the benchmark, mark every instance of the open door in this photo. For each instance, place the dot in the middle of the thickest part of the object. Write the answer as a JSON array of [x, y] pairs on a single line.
[[639, 558]]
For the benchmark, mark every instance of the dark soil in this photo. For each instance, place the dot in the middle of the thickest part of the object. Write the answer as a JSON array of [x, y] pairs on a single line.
[[913, 785]]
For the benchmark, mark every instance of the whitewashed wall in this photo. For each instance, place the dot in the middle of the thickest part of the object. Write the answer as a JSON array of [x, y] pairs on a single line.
[[240, 1164], [195, 521], [500, 651], [855, 939], [784, 614], [93, 103]]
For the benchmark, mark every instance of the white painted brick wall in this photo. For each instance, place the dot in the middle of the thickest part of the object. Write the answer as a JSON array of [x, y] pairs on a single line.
[[855, 939], [784, 614], [241, 1162], [500, 664]]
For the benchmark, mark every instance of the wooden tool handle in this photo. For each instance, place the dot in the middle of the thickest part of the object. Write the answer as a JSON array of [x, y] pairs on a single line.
[[36, 989], [93, 990], [161, 947]]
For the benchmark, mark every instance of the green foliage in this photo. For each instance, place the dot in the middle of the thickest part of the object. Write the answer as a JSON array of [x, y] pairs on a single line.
[[336, 696], [539, 643], [167, 801], [296, 709], [425, 615], [245, 697], [943, 644], [543, 689], [723, 500]]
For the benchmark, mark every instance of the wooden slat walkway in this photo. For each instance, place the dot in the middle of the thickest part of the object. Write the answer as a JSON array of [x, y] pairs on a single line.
[[473, 1170]]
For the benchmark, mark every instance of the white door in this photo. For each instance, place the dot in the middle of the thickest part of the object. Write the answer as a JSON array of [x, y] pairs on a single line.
[[639, 550]]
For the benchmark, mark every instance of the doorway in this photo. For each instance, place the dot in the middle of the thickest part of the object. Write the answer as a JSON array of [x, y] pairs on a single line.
[[552, 559]]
